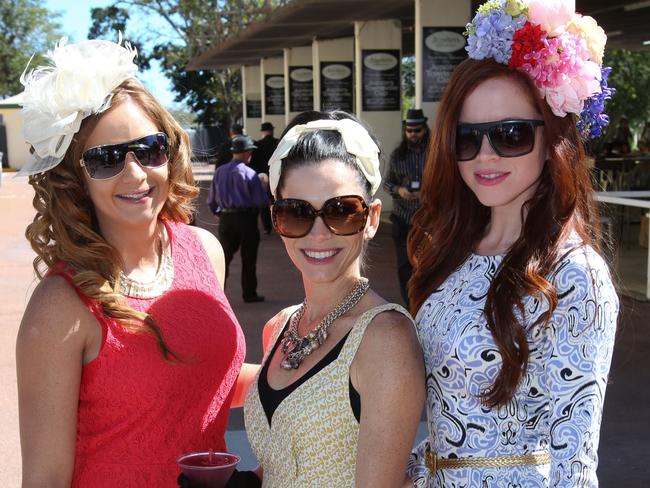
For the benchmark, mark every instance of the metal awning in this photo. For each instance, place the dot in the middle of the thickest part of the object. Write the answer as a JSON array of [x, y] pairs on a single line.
[[300, 21], [297, 24]]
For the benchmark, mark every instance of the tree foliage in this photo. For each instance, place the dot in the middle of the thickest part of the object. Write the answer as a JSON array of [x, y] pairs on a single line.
[[408, 84], [182, 29], [631, 78], [26, 28], [107, 22]]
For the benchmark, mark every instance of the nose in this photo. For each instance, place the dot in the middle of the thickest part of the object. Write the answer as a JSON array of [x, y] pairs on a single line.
[[133, 167], [486, 151], [319, 231]]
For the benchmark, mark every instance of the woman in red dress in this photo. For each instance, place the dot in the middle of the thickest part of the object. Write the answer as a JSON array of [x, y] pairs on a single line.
[[128, 353]]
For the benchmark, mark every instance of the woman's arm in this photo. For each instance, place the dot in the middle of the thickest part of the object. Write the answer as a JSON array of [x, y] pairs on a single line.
[[388, 372], [52, 340], [579, 353]]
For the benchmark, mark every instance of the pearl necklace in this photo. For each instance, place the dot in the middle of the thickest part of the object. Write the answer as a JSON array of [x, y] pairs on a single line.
[[297, 348], [154, 288]]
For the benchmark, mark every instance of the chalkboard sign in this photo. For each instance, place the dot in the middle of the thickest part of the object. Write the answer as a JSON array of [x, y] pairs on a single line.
[[336, 85], [301, 88], [253, 108], [443, 50], [380, 80], [274, 94]]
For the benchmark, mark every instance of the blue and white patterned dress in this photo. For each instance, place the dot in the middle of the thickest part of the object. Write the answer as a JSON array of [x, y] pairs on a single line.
[[558, 405]]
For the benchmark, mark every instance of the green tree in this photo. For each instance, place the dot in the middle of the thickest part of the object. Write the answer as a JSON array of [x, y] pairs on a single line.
[[408, 84], [26, 28], [181, 30], [631, 77], [108, 22]]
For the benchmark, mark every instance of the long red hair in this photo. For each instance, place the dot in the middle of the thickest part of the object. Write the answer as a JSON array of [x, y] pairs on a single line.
[[451, 221]]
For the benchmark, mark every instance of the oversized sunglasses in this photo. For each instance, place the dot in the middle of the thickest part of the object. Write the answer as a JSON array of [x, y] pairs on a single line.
[[508, 138], [343, 216], [108, 161]]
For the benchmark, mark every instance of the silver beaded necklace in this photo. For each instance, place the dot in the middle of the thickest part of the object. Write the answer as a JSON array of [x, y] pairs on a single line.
[[297, 348], [159, 285]]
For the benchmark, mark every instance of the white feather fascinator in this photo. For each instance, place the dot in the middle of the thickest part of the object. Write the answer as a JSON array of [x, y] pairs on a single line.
[[78, 83]]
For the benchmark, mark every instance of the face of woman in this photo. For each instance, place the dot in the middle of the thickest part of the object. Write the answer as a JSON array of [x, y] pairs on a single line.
[[322, 256], [502, 182], [135, 197]]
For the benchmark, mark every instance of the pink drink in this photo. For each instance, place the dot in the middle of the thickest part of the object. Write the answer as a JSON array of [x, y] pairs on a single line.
[[208, 469]]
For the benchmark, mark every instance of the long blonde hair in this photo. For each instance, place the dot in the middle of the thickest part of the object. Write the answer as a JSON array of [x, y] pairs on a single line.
[[65, 229]]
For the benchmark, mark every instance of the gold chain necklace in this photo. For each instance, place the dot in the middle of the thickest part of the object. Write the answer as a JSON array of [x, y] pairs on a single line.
[[298, 348], [154, 288]]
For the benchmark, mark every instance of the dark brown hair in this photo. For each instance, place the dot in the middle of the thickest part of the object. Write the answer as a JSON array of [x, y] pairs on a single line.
[[451, 221]]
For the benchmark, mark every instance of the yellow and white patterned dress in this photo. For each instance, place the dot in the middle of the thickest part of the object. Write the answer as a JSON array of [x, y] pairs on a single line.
[[312, 439]]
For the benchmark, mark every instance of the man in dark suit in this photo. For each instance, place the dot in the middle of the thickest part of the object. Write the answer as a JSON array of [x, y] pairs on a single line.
[[260, 163]]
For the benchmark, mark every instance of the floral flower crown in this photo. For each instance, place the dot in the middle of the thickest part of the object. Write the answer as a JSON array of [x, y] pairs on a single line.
[[78, 82], [559, 49]]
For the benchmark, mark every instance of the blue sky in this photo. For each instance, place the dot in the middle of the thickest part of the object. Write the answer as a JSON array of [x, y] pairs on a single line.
[[75, 21]]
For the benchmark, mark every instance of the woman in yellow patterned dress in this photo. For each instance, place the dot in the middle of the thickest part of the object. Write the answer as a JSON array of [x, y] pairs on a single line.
[[339, 396]]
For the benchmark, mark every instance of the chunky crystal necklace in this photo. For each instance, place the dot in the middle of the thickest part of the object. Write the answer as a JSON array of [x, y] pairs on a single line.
[[154, 288], [297, 348]]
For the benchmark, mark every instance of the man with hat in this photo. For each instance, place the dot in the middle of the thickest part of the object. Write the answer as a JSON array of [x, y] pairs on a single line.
[[225, 155], [403, 184], [260, 163], [236, 195]]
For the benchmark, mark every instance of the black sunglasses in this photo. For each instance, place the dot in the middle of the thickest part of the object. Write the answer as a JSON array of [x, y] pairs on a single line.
[[416, 130], [508, 138], [108, 161], [343, 216]]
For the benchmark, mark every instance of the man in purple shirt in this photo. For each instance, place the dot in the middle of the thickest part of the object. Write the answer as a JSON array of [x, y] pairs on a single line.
[[236, 195]]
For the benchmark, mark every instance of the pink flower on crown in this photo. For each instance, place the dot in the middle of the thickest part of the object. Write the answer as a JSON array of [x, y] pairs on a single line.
[[563, 73], [551, 15], [586, 28]]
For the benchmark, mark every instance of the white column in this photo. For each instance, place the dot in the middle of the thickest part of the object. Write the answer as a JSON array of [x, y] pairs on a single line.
[[378, 46], [272, 80], [251, 100], [435, 13], [299, 81], [333, 65]]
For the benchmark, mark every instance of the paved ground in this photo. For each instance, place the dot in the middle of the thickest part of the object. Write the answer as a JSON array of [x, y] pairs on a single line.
[[625, 437]]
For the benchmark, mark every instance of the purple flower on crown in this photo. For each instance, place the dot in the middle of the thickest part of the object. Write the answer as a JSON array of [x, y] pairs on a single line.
[[593, 120]]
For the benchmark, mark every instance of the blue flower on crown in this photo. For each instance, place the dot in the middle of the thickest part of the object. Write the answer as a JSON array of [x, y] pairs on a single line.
[[593, 119], [489, 35]]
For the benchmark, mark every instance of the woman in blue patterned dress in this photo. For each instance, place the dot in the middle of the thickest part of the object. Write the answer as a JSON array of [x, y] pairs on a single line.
[[516, 311]]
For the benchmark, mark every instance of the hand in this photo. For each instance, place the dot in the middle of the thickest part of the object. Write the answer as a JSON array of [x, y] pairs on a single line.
[[239, 479], [183, 482], [403, 192], [244, 479]]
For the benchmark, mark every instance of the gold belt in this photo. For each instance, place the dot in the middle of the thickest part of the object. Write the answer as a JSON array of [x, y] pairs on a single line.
[[435, 463]]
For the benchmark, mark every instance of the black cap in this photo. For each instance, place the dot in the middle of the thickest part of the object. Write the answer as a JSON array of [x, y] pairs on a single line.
[[240, 144], [267, 126], [415, 116]]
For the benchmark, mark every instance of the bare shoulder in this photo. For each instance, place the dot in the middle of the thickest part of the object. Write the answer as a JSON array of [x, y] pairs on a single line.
[[55, 311], [209, 241], [389, 354], [390, 326]]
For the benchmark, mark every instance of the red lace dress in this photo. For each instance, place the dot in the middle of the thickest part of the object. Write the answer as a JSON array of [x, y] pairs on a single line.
[[137, 412]]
